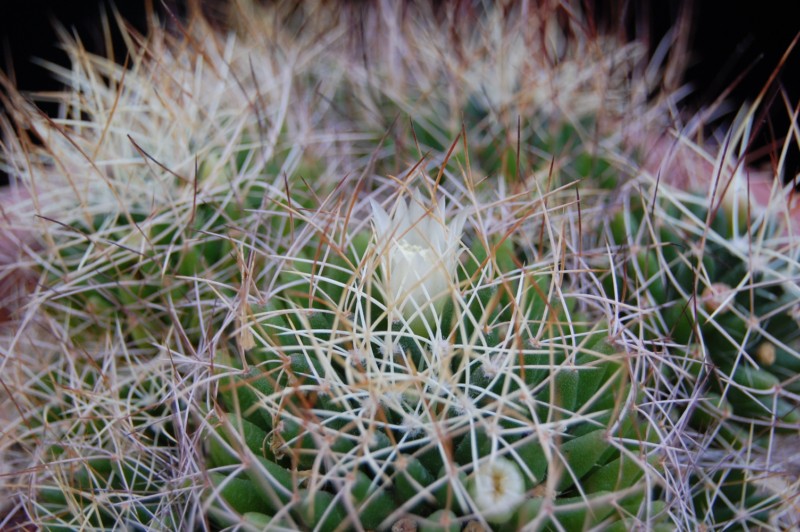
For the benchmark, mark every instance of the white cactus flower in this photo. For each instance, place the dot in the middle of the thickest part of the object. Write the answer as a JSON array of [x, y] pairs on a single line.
[[418, 257], [497, 487]]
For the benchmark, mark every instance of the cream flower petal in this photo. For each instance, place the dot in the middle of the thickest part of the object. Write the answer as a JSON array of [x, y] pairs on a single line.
[[381, 219], [419, 254]]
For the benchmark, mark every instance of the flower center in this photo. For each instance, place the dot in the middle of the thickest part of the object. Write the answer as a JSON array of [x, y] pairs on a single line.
[[408, 248]]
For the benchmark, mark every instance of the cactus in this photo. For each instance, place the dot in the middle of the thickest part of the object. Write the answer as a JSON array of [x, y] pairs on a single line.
[[273, 283], [390, 405], [715, 271]]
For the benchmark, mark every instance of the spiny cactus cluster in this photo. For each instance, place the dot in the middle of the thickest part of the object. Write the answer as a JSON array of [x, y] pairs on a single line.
[[716, 277], [299, 277], [373, 394]]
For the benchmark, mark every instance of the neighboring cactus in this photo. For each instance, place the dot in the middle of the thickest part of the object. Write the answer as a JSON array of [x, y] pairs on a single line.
[[716, 277]]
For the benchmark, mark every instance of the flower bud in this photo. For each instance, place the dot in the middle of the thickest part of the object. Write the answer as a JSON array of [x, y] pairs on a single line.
[[418, 257]]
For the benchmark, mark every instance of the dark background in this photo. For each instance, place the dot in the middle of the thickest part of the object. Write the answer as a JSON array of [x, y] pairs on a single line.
[[728, 38]]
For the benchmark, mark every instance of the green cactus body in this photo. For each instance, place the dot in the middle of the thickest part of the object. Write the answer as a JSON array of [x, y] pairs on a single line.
[[283, 277], [319, 510]]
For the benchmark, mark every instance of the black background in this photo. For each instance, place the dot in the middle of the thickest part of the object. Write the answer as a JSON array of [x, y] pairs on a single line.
[[728, 38]]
